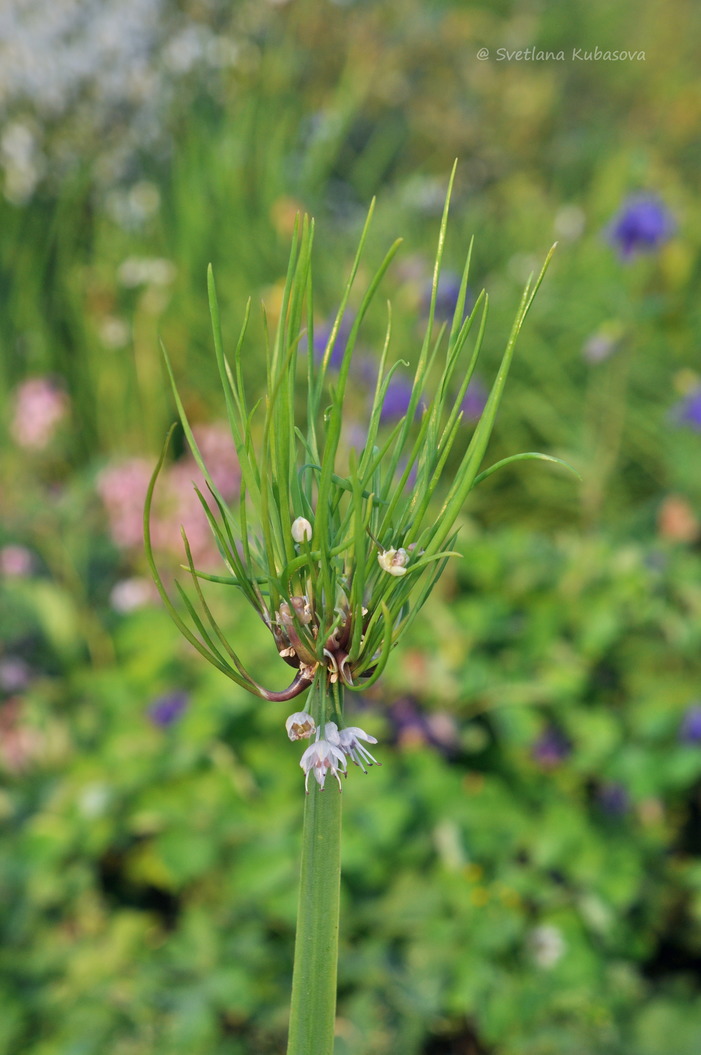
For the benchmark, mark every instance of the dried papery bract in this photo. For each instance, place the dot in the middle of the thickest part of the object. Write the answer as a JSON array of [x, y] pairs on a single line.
[[332, 549]]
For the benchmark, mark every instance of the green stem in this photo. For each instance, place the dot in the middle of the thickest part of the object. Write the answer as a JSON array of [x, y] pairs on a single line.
[[313, 1005]]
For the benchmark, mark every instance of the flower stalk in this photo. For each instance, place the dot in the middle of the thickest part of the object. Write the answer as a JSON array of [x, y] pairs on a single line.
[[313, 1001]]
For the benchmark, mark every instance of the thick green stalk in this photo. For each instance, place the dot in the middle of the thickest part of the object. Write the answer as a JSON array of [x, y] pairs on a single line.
[[313, 1005]]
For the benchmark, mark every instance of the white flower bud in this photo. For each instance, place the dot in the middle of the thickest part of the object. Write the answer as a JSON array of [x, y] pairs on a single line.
[[301, 530], [393, 561], [300, 725]]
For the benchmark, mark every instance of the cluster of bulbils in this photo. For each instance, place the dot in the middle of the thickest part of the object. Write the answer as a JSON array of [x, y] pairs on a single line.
[[298, 653], [329, 754]]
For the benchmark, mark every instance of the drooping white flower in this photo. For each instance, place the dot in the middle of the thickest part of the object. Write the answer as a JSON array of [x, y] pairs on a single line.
[[301, 530], [300, 725], [348, 741], [321, 758], [393, 561]]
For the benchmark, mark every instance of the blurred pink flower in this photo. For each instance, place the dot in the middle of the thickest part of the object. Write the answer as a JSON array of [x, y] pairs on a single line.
[[16, 561], [40, 404], [123, 486], [19, 742], [217, 450]]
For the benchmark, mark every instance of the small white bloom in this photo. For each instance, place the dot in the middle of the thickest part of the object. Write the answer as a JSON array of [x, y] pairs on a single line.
[[393, 561], [300, 725], [301, 530], [547, 945], [348, 740], [322, 758]]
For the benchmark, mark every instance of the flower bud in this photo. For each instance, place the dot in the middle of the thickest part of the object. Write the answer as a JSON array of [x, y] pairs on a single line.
[[301, 530], [393, 561], [300, 725]]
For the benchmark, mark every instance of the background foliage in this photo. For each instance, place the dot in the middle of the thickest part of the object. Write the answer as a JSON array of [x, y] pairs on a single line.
[[523, 874]]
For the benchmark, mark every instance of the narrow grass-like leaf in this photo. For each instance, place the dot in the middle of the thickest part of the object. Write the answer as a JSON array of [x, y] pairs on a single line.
[[380, 663], [525, 456]]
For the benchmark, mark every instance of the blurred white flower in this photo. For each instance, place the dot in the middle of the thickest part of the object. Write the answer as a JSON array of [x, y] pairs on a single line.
[[145, 271], [570, 221], [547, 945], [131, 594], [22, 161], [99, 79], [114, 332]]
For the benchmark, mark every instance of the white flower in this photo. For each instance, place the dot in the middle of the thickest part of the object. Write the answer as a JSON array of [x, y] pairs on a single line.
[[301, 530], [393, 561], [300, 725], [348, 740], [323, 757]]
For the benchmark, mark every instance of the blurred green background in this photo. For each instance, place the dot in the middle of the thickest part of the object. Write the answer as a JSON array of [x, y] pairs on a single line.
[[523, 874]]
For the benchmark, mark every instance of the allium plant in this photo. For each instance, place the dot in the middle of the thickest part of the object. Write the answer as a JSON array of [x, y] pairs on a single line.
[[332, 550]]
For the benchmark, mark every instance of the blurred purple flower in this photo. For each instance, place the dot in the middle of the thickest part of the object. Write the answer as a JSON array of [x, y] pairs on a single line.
[[688, 410], [15, 674], [167, 710], [690, 728], [364, 369], [601, 345], [413, 473], [414, 728], [321, 339], [641, 226], [613, 798], [551, 748], [397, 399], [40, 404], [446, 297], [474, 400]]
